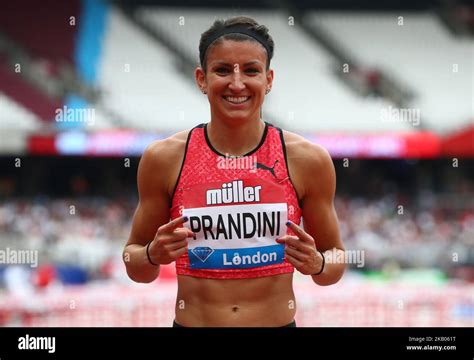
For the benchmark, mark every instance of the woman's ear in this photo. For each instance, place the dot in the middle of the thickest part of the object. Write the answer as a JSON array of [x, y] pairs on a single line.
[[270, 75], [200, 76]]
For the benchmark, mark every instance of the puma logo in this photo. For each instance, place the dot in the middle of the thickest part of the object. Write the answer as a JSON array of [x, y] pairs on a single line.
[[265, 167]]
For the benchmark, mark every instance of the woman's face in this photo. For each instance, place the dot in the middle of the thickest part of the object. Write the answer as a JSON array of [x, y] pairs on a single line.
[[236, 79]]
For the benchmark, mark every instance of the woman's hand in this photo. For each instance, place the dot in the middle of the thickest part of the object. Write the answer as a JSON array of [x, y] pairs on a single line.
[[170, 242], [301, 251]]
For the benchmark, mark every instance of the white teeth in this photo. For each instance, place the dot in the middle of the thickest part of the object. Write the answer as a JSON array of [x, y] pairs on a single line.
[[236, 100]]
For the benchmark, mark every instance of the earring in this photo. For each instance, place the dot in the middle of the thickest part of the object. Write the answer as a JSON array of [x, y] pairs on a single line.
[[267, 91], [203, 91]]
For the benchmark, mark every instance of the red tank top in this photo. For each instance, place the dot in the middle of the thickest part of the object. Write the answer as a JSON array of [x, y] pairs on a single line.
[[237, 207]]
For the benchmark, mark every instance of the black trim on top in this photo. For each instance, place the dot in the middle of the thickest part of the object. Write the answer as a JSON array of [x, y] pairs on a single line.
[[282, 139], [182, 163], [262, 140]]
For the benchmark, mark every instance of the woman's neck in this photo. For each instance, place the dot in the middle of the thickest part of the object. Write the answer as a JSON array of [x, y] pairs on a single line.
[[235, 139]]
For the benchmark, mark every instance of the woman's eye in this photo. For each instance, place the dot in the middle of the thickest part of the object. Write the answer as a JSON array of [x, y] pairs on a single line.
[[222, 70]]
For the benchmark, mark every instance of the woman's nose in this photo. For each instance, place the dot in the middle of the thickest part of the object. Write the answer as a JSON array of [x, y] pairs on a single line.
[[236, 83]]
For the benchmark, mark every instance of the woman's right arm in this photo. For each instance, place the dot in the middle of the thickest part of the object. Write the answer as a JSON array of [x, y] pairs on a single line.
[[151, 219]]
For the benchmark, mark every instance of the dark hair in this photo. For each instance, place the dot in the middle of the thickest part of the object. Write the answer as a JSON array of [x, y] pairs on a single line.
[[218, 25]]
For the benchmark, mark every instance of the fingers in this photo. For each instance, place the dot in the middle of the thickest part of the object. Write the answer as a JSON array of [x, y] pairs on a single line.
[[293, 261], [176, 245], [292, 241], [182, 233], [298, 255], [177, 253], [303, 235], [177, 235], [168, 248], [172, 225]]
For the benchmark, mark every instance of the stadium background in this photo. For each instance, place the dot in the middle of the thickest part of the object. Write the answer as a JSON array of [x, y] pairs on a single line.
[[86, 85]]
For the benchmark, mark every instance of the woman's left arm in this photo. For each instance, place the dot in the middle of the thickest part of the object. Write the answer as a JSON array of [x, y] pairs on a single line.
[[321, 229]]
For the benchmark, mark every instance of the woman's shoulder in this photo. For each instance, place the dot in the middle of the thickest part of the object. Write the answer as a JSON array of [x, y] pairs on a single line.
[[310, 164], [173, 144], [166, 153], [161, 160], [304, 151]]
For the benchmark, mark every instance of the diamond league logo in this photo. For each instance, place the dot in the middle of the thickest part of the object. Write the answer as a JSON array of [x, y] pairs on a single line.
[[202, 252]]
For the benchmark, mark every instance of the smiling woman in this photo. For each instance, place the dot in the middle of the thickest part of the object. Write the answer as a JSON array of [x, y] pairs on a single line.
[[240, 50], [236, 255]]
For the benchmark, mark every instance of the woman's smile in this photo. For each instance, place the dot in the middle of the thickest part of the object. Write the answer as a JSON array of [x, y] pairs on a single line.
[[237, 100]]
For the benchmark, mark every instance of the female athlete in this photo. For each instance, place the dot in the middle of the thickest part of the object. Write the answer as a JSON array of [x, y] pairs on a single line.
[[224, 200]]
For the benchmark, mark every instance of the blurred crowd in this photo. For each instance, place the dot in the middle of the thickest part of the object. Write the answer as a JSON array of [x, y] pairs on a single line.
[[76, 240], [82, 231], [427, 233]]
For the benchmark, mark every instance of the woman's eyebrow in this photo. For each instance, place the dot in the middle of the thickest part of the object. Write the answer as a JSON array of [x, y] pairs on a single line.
[[253, 62], [221, 62]]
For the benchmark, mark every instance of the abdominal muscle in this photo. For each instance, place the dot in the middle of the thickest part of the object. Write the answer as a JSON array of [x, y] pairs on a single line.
[[267, 301]]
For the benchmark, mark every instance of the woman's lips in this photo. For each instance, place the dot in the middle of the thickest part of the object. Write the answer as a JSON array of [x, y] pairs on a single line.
[[236, 100]]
